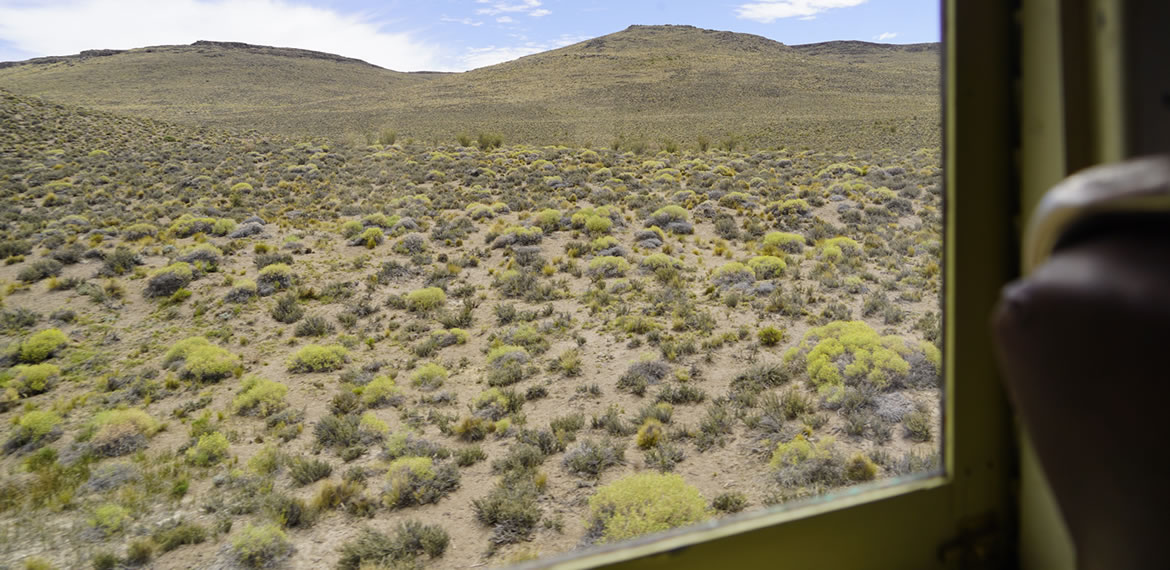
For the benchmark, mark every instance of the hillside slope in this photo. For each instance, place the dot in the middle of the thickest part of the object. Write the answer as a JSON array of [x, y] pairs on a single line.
[[645, 83]]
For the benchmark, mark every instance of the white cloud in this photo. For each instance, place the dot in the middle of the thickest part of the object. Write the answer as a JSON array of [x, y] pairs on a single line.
[[464, 21], [885, 36], [70, 26], [768, 11], [529, 7], [491, 55], [504, 20]]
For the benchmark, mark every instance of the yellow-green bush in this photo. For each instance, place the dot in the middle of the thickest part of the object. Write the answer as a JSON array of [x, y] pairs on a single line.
[[42, 345], [767, 266], [799, 450], [598, 225], [261, 546], [771, 336], [608, 266], [656, 261], [876, 359], [317, 358], [775, 242], [644, 503], [426, 299], [860, 468], [731, 273], [201, 360], [381, 390], [209, 450], [429, 376], [37, 423], [371, 237], [507, 352], [135, 417], [650, 433], [32, 379], [260, 396], [109, 518]]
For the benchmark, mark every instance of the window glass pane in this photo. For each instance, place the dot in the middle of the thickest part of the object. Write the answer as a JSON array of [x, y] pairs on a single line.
[[275, 306]]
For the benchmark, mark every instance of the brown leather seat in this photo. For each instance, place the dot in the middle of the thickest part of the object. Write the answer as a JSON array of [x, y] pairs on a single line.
[[1084, 345]]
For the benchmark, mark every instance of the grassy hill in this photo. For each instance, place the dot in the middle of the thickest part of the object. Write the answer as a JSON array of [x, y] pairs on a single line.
[[646, 85], [226, 350]]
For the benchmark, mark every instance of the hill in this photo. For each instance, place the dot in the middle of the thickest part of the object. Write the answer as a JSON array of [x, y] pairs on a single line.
[[643, 85]]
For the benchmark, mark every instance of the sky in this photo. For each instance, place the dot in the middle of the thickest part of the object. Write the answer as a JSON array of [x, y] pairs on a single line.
[[437, 35]]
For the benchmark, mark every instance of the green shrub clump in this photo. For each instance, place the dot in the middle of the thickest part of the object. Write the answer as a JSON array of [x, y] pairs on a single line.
[[776, 242], [429, 376], [209, 450], [416, 481], [427, 299], [119, 432], [411, 539], [201, 361], [876, 359], [733, 273], [260, 396], [767, 266], [29, 380], [381, 391], [42, 345], [261, 546], [608, 266], [644, 503], [771, 336], [318, 358], [164, 281]]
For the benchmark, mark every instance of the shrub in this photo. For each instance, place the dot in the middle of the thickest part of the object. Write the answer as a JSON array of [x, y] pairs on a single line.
[[119, 262], [770, 336], [416, 481], [467, 456], [109, 518], [201, 360], [164, 281], [588, 458], [644, 503], [241, 291], [40, 269], [29, 380], [287, 310], [511, 509], [211, 449], [37, 424], [313, 325], [203, 253], [664, 456], [801, 463], [730, 502], [260, 396], [371, 238], [429, 377], [427, 299], [42, 345], [261, 546], [381, 391], [657, 261], [775, 242], [338, 431], [121, 431], [767, 266], [650, 433], [304, 471], [874, 358], [732, 273], [317, 358], [275, 277], [917, 424], [179, 535], [608, 266], [411, 539], [860, 468]]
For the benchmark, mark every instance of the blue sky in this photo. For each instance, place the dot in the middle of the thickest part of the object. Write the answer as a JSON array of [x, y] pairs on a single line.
[[444, 35]]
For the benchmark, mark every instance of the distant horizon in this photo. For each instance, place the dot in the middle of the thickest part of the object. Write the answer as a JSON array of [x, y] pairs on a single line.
[[253, 44], [440, 36]]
